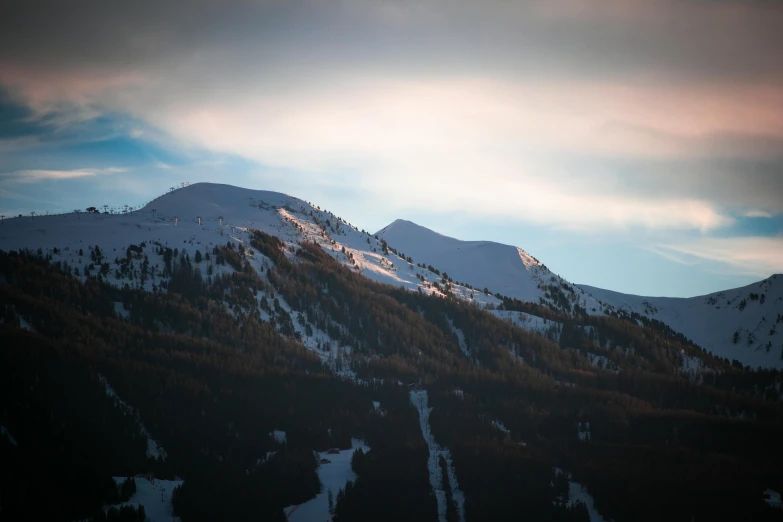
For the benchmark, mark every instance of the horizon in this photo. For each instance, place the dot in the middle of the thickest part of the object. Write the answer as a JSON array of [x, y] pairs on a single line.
[[655, 171]]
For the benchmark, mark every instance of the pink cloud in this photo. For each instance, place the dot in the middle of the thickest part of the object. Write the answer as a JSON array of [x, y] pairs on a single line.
[[759, 256], [45, 89], [31, 176]]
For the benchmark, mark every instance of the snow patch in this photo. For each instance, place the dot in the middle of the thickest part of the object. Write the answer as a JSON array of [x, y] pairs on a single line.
[[501, 427], [583, 431], [603, 362], [545, 328], [333, 475], [772, 498], [119, 309], [155, 496], [578, 493], [25, 325], [278, 436], [694, 367]]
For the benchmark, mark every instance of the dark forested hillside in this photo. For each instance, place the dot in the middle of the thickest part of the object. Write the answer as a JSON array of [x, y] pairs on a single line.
[[213, 362]]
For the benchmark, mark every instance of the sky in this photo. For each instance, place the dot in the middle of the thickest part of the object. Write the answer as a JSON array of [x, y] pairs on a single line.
[[633, 145]]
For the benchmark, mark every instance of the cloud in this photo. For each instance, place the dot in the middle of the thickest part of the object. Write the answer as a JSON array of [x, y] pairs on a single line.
[[674, 37], [65, 97], [756, 213], [672, 255], [34, 176], [758, 256], [498, 142], [538, 199], [575, 114]]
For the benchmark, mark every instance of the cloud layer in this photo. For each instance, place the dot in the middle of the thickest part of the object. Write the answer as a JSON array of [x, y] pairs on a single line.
[[32, 176], [755, 256], [577, 114]]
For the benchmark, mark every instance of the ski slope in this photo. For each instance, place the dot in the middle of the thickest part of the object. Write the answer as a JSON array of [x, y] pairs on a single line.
[[445, 489], [334, 472]]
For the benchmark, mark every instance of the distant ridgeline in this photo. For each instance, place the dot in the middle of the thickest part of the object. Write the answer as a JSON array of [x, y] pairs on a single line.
[[230, 365]]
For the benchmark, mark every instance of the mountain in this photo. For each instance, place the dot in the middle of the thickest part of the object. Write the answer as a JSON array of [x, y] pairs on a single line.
[[274, 362], [501, 269], [226, 213], [484, 264], [741, 323]]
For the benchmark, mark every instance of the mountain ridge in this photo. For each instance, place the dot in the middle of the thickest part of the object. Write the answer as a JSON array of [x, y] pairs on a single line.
[[409, 255], [745, 333]]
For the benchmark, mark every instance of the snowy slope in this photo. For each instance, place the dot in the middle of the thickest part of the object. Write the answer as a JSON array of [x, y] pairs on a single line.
[[577, 493], [753, 312], [334, 472], [227, 214], [549, 329], [173, 220], [503, 269]]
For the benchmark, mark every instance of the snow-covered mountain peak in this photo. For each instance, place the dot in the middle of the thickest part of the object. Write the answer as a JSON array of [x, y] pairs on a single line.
[[499, 268], [475, 262], [417, 237], [202, 216], [211, 200], [404, 226]]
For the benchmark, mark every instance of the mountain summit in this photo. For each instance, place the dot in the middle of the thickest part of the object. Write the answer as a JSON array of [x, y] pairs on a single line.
[[483, 264]]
